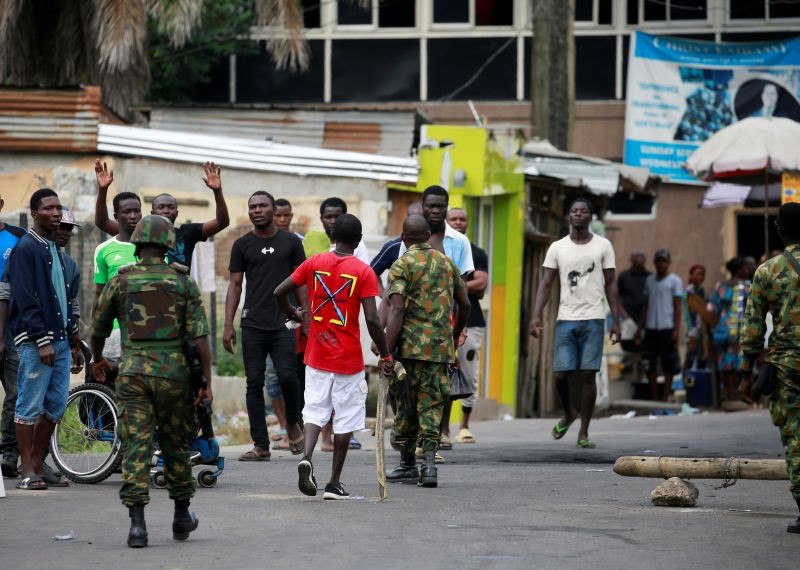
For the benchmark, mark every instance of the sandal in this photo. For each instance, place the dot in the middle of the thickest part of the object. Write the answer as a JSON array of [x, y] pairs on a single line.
[[32, 483], [255, 454], [281, 445], [560, 431], [297, 446], [445, 443], [465, 436], [53, 480], [585, 444]]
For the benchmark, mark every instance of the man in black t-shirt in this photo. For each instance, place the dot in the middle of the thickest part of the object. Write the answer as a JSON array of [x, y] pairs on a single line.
[[187, 235], [630, 286], [468, 353], [266, 257]]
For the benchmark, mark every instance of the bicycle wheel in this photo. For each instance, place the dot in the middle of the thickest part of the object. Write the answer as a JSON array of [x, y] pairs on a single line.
[[85, 445]]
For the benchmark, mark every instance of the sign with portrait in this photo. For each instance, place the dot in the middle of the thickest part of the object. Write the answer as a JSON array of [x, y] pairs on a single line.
[[680, 92]]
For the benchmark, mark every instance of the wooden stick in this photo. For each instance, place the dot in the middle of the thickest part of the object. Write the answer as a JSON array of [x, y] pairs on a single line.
[[701, 468], [383, 392]]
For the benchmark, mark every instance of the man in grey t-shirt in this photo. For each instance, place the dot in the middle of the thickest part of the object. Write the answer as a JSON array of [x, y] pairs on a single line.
[[661, 321]]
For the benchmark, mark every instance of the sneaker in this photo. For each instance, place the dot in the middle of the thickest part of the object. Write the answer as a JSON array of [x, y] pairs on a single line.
[[306, 481], [335, 491]]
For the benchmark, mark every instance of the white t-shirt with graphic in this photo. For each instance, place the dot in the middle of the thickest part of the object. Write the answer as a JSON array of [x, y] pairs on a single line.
[[580, 270]]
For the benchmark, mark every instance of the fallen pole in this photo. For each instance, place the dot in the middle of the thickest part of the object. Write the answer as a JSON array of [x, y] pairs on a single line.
[[701, 468]]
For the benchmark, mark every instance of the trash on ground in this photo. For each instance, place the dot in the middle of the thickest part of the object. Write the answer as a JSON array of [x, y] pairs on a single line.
[[653, 451], [627, 416], [69, 536], [595, 470]]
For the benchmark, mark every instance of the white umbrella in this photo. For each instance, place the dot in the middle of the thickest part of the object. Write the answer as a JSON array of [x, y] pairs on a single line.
[[752, 150], [747, 148]]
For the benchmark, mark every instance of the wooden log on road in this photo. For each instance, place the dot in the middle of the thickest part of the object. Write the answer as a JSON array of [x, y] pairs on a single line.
[[701, 467]]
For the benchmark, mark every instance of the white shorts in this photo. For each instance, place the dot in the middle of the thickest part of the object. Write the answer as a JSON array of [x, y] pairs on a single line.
[[328, 392]]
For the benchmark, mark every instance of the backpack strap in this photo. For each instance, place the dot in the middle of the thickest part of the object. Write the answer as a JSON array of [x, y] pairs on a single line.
[[792, 261]]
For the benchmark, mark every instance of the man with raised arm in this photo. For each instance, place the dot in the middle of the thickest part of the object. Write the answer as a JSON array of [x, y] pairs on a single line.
[[187, 235]]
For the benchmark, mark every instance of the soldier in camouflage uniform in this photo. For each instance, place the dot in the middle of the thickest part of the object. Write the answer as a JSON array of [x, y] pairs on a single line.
[[423, 283], [776, 290], [158, 307]]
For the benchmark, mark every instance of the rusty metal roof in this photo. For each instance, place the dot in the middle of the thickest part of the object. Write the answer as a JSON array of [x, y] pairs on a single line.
[[386, 133], [51, 120]]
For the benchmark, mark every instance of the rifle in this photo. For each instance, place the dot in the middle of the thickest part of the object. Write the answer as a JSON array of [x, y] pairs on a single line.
[[198, 382]]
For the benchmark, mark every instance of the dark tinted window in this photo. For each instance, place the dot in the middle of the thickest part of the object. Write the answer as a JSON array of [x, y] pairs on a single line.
[[595, 58], [257, 80], [758, 36], [655, 11], [584, 10], [453, 65], [310, 13], [605, 12], [351, 13], [747, 9], [630, 203], [396, 14], [494, 12], [451, 11], [784, 9], [633, 11], [375, 70], [688, 10]]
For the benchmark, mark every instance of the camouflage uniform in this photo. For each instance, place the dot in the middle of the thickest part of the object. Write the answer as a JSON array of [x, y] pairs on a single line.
[[776, 289], [158, 306], [428, 281]]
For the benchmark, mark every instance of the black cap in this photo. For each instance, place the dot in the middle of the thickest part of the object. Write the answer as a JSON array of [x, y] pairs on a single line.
[[663, 254]]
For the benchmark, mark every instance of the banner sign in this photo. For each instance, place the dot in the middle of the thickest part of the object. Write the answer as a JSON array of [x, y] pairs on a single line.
[[680, 92], [790, 189]]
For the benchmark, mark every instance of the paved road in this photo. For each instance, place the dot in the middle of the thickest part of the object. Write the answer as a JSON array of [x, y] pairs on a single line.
[[516, 499]]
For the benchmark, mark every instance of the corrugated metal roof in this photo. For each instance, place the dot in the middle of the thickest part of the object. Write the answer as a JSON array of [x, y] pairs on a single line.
[[252, 154], [50, 119], [599, 179], [387, 133]]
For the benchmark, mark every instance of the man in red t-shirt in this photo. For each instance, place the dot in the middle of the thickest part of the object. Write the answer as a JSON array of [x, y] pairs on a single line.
[[339, 285]]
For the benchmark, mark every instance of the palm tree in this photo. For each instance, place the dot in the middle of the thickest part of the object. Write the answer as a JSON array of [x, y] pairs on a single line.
[[105, 42]]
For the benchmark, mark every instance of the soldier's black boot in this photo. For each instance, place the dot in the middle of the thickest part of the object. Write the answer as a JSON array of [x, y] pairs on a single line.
[[794, 527], [137, 535], [427, 471], [184, 522], [406, 471]]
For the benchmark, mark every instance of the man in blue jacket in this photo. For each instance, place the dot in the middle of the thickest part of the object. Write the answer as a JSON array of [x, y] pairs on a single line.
[[43, 328]]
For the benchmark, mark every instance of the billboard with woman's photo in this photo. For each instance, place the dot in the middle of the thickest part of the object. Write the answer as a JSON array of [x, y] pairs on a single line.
[[680, 92]]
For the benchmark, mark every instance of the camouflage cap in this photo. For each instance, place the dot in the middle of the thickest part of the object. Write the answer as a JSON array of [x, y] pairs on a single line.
[[67, 217], [155, 230]]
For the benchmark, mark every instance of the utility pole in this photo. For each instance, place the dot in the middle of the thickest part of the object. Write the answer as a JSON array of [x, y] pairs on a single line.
[[553, 71]]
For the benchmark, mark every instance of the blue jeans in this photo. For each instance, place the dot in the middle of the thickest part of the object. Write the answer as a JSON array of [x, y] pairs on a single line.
[[579, 345], [42, 389]]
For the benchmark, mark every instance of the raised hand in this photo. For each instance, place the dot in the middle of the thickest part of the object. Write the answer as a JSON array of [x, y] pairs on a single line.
[[212, 178], [104, 176]]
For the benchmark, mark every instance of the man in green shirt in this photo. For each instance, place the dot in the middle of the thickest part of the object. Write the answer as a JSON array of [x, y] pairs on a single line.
[[115, 253], [423, 283], [776, 290]]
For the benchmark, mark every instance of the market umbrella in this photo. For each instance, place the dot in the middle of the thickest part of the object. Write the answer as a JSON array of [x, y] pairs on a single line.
[[752, 151]]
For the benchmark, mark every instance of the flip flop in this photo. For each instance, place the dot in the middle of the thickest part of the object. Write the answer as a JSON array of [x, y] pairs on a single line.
[[277, 435], [297, 446], [465, 436], [560, 431], [585, 444], [255, 454], [281, 445], [445, 443], [32, 483]]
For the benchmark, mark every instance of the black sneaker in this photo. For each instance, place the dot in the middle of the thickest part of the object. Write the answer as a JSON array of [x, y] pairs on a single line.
[[335, 492], [307, 483]]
